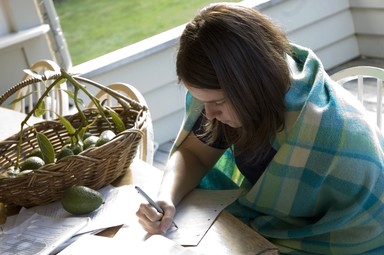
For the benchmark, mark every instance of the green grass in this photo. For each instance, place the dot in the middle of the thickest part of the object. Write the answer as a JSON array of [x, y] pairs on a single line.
[[95, 27]]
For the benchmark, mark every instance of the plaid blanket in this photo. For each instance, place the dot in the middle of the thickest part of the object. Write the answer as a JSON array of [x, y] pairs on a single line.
[[322, 193]]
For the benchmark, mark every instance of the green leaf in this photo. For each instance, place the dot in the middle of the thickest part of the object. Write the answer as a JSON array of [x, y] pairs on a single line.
[[82, 132], [60, 80], [116, 119], [40, 110], [68, 126], [72, 96], [46, 148], [100, 109]]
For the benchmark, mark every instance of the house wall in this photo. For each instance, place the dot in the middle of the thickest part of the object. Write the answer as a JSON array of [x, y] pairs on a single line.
[[23, 40], [325, 26], [368, 17]]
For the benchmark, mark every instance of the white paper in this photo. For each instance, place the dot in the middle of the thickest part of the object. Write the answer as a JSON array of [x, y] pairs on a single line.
[[195, 215], [133, 232], [197, 212], [37, 234], [97, 245], [113, 212], [161, 245]]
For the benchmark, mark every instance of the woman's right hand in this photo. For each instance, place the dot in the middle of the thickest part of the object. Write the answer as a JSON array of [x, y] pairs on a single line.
[[154, 222], [184, 170]]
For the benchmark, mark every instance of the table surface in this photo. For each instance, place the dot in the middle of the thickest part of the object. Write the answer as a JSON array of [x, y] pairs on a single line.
[[227, 235], [10, 122]]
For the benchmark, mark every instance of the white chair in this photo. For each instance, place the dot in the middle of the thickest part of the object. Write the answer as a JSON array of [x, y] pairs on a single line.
[[364, 75], [56, 102], [146, 147]]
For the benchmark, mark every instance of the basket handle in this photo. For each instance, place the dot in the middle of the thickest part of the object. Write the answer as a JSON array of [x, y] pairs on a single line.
[[120, 97], [23, 84]]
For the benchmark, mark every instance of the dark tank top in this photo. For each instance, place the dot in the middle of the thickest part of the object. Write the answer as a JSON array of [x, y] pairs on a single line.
[[251, 170]]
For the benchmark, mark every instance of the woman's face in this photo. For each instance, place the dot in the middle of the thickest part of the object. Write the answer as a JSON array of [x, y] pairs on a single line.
[[216, 105]]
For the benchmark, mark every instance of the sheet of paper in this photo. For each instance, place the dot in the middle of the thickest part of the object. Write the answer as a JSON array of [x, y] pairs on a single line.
[[161, 245], [133, 232], [195, 215], [37, 234], [113, 212], [97, 245], [197, 212]]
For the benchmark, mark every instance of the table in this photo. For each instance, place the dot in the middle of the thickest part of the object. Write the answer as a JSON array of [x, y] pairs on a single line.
[[11, 120], [227, 235]]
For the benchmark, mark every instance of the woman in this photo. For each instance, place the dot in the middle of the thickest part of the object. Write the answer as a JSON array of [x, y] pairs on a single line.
[[311, 164]]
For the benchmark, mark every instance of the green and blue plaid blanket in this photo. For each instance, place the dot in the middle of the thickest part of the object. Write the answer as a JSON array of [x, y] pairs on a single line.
[[323, 191]]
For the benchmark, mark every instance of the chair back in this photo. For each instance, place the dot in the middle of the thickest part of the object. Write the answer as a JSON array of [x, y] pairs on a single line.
[[56, 102], [368, 83], [146, 147]]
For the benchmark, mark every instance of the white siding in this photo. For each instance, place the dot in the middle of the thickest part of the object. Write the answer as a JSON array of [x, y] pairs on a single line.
[[372, 4], [324, 26], [368, 18], [23, 40]]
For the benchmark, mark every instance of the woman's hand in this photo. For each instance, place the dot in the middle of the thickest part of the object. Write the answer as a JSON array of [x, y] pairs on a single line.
[[184, 170], [154, 222]]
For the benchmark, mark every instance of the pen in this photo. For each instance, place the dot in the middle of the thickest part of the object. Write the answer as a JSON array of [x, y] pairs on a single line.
[[151, 202]]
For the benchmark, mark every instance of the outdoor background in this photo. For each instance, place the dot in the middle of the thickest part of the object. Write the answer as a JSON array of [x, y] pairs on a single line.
[[95, 27]]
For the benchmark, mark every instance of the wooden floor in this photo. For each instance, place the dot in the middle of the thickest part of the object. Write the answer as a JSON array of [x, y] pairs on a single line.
[[161, 154]]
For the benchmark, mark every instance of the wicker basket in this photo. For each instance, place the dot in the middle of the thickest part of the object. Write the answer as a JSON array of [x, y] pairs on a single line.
[[94, 168]]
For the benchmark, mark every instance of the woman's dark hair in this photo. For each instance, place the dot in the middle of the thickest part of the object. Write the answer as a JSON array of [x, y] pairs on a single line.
[[238, 50]]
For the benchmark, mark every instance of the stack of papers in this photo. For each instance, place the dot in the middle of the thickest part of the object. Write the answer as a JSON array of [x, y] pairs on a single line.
[[38, 234], [43, 229], [119, 203]]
